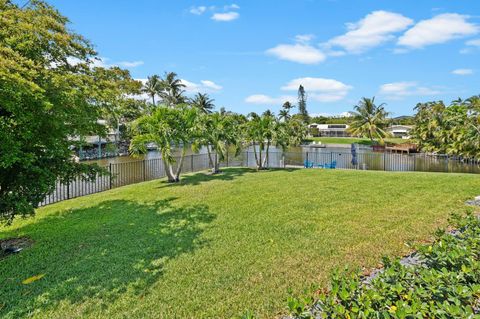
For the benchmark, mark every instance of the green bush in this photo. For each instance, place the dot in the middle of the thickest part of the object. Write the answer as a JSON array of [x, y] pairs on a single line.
[[444, 284]]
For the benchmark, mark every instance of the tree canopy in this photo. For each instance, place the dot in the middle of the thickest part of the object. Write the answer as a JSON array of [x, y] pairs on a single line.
[[452, 129], [50, 93]]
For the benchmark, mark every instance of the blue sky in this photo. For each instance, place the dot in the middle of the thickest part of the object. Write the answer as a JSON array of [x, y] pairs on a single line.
[[251, 55]]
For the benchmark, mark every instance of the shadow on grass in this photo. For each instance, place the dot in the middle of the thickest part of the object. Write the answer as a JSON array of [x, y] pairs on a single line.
[[98, 252], [226, 174]]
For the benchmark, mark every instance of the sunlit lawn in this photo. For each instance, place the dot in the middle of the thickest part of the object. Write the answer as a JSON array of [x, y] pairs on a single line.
[[216, 246]]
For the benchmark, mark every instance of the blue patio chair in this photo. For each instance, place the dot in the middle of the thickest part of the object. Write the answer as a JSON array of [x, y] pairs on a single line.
[[308, 164], [331, 165]]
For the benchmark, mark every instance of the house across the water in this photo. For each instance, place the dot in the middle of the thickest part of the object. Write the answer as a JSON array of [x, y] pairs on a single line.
[[401, 131], [330, 130]]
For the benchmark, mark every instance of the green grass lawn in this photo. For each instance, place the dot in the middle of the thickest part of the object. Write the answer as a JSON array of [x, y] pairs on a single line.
[[350, 140], [215, 246]]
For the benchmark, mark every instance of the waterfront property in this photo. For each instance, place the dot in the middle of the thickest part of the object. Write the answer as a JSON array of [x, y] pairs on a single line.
[[400, 131], [329, 130], [214, 246]]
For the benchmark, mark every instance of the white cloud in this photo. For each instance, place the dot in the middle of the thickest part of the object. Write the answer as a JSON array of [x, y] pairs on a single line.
[[198, 10], [232, 6], [320, 89], [399, 90], [130, 64], [439, 29], [211, 85], [304, 38], [202, 87], [300, 53], [268, 100], [474, 43], [374, 29], [462, 72], [225, 17], [103, 62]]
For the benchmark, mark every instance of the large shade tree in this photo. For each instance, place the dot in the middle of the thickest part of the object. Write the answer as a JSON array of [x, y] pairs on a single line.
[[369, 120], [50, 93]]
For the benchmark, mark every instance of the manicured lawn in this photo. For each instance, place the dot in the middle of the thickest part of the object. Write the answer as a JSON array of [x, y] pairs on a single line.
[[350, 140], [216, 246]]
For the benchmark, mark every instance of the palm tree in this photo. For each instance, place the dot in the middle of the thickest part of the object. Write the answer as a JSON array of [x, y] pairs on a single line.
[[369, 120], [152, 87], [168, 128], [284, 115], [287, 106], [171, 89], [203, 103]]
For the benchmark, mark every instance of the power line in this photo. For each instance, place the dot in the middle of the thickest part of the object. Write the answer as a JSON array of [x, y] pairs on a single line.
[[26, 3]]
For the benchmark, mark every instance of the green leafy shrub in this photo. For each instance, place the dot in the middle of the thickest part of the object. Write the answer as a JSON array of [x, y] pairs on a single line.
[[445, 284]]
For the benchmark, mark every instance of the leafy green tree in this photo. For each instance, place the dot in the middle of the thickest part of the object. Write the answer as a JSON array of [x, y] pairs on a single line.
[[369, 120], [302, 104], [170, 129], [152, 87], [172, 90], [50, 93], [452, 129], [203, 103]]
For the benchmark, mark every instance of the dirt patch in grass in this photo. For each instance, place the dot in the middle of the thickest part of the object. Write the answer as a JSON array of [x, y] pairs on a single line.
[[11, 246]]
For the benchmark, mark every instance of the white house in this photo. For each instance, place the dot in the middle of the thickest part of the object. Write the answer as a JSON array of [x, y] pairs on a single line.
[[332, 130], [402, 131]]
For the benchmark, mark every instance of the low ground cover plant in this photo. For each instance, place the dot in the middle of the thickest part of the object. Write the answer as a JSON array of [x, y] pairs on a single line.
[[443, 282]]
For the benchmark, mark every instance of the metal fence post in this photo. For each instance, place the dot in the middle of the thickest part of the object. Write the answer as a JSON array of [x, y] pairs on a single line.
[[68, 189], [283, 160], [384, 161], [110, 174], [247, 160], [227, 158], [306, 162], [144, 171], [191, 161]]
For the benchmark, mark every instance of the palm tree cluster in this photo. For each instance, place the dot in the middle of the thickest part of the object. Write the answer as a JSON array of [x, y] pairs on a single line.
[[182, 123], [369, 120], [169, 89], [452, 129]]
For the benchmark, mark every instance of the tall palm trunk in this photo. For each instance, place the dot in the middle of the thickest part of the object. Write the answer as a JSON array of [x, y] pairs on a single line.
[[265, 160], [259, 161], [168, 170], [216, 165], [180, 163], [255, 153], [209, 156]]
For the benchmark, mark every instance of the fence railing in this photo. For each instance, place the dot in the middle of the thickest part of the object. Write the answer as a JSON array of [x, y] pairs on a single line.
[[126, 173]]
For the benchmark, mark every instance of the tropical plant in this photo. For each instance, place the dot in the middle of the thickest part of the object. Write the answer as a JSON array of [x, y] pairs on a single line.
[[219, 133], [169, 129], [172, 90], [452, 129], [50, 94], [369, 120], [152, 87], [284, 115], [203, 103], [441, 282]]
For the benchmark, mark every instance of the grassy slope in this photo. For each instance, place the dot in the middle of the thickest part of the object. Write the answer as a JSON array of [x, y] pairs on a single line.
[[215, 246], [350, 140]]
